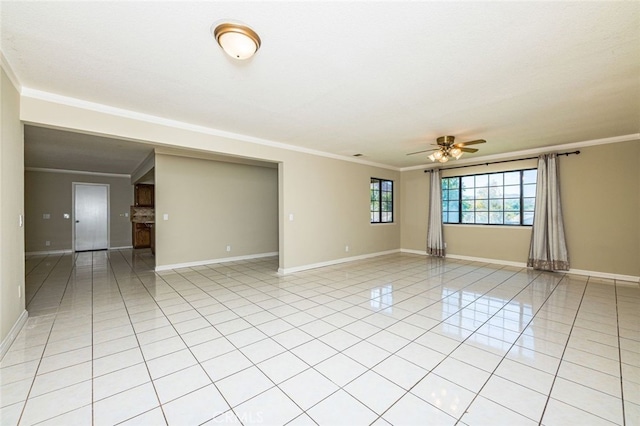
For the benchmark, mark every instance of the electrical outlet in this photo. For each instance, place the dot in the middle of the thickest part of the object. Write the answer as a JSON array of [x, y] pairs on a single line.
[[228, 248], [346, 248]]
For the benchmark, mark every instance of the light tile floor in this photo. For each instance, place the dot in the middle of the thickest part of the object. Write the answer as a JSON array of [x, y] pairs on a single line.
[[398, 339]]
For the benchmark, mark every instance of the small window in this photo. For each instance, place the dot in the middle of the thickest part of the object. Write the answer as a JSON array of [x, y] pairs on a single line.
[[381, 191], [505, 198]]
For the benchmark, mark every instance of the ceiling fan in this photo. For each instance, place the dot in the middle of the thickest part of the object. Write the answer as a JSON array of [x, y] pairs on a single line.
[[447, 149]]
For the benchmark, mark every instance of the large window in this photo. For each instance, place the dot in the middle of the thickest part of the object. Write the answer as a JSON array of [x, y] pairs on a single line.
[[381, 191], [505, 198]]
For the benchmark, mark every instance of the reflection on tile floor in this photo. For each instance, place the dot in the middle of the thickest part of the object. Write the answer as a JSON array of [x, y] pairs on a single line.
[[398, 339]]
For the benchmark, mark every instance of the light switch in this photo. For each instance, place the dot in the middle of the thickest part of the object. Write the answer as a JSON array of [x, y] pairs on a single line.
[[66, 216], [20, 220], [290, 217], [165, 216]]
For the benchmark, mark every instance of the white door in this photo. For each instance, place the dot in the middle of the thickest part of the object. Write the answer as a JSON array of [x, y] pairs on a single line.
[[91, 208]]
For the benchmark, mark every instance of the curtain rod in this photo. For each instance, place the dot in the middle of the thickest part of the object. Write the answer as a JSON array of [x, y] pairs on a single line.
[[504, 161]]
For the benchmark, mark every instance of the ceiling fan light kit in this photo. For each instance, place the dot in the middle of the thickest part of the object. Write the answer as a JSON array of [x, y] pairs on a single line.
[[447, 149]]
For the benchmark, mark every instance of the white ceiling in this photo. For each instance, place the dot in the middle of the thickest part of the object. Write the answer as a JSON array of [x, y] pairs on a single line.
[[378, 78]]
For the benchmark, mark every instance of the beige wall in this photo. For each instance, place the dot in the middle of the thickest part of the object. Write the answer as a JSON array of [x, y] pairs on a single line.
[[52, 193], [211, 205], [329, 200], [328, 197], [601, 202], [12, 302]]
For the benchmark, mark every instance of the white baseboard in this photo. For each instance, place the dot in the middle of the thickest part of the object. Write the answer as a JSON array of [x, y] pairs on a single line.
[[605, 275], [47, 252], [595, 274], [161, 268], [13, 333], [121, 248], [284, 271]]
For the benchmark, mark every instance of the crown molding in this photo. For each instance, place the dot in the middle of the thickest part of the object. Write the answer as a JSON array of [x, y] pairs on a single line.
[[528, 152], [119, 112], [76, 172], [6, 66]]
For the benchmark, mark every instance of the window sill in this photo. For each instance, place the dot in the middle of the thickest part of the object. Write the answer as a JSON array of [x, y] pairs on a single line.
[[381, 223]]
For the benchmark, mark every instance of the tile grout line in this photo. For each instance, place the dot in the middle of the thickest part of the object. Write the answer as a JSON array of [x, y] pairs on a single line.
[[136, 337], [555, 376], [24, 407], [624, 418]]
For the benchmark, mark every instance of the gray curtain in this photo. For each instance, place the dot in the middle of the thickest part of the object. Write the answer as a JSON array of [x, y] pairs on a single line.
[[548, 249], [435, 239]]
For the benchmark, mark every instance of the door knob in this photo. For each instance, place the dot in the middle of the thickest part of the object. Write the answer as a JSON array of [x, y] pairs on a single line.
[[77, 221]]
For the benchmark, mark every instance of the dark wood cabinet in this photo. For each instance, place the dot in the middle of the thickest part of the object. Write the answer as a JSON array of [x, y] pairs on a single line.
[[141, 235], [144, 195]]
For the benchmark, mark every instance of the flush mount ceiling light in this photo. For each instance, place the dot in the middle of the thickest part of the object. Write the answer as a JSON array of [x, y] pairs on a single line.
[[237, 40], [447, 149]]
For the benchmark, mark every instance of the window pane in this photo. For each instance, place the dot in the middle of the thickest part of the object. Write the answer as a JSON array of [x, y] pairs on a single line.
[[387, 206], [481, 205], [445, 184], [453, 206], [529, 176], [374, 217], [468, 217], [512, 204], [482, 217], [496, 218], [467, 194], [467, 206], [482, 180], [375, 206], [496, 179], [512, 191], [454, 194], [512, 218], [445, 195], [529, 190], [528, 204], [387, 185], [386, 217], [527, 218], [467, 182], [482, 193], [496, 205], [496, 192], [512, 178], [375, 195], [454, 183], [445, 217], [454, 217]]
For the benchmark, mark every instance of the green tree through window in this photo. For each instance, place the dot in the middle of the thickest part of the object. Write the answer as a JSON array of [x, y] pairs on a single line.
[[381, 191], [504, 198]]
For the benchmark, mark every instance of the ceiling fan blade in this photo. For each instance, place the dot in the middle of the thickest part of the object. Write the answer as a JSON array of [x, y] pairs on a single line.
[[461, 144], [420, 152], [471, 150]]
